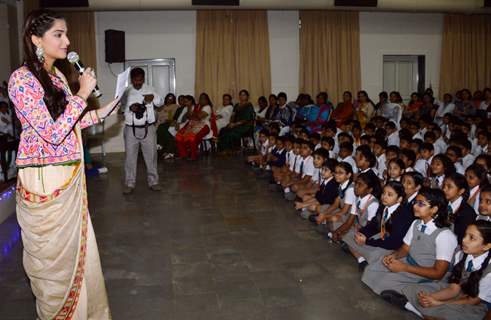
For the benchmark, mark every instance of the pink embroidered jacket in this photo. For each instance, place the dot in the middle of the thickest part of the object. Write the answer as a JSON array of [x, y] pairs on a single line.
[[44, 141]]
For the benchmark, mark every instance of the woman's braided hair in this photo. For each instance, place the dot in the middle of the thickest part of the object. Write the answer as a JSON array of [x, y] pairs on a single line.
[[37, 23]]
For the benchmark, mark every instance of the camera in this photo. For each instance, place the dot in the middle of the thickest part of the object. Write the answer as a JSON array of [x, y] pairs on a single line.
[[139, 109]]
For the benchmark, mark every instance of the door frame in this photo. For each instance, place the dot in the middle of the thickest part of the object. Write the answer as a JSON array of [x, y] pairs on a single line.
[[171, 62]]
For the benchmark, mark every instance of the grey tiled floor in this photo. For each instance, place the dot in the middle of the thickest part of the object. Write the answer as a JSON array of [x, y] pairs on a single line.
[[215, 244]]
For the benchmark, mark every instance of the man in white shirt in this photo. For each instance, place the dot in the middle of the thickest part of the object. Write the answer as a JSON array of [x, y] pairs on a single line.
[[139, 102]]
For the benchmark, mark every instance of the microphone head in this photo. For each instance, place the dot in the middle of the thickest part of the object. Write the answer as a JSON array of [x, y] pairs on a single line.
[[73, 57]]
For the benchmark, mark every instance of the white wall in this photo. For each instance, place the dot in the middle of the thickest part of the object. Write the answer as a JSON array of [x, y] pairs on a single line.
[[284, 51], [4, 40], [398, 33], [149, 35], [171, 34]]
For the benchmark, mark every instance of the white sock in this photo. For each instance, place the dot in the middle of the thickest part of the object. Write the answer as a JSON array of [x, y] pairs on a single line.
[[287, 190], [361, 259], [411, 308]]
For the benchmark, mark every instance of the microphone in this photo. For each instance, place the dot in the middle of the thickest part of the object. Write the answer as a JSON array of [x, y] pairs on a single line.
[[74, 59]]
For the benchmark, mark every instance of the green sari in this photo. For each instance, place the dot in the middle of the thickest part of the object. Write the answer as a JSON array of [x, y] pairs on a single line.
[[229, 138]]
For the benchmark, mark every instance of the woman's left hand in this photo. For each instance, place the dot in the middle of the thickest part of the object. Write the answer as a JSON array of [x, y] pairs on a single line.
[[105, 111]]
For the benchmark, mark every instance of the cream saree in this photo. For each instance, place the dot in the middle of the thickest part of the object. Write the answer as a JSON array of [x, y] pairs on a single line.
[[60, 255]]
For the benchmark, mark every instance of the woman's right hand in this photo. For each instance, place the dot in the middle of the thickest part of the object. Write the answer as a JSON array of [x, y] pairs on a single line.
[[87, 82]]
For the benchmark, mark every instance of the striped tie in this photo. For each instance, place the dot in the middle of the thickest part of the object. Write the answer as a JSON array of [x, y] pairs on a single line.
[[470, 266]]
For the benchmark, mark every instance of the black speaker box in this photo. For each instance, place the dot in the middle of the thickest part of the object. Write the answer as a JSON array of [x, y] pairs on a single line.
[[215, 2], [355, 3], [114, 46], [63, 3]]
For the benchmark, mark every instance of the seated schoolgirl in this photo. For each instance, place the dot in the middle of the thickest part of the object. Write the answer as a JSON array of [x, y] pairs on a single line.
[[311, 187], [278, 172], [294, 165], [367, 192], [477, 179], [304, 172], [426, 253], [336, 213], [395, 169], [460, 214], [441, 166], [485, 204], [325, 195], [384, 233], [467, 293], [263, 148]]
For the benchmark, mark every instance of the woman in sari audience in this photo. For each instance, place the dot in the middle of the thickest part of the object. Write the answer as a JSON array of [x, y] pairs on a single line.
[[167, 139], [428, 109], [317, 119], [241, 123], [165, 117], [413, 106], [225, 112], [364, 108], [464, 107], [197, 127], [446, 106], [344, 110], [284, 114]]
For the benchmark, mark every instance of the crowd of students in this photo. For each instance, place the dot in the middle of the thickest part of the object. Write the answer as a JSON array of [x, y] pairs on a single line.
[[403, 189]]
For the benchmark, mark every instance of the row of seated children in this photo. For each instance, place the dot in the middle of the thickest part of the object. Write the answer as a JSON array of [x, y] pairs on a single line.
[[345, 199]]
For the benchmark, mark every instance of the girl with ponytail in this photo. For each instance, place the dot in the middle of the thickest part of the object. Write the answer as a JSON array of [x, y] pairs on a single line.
[[60, 256], [467, 293]]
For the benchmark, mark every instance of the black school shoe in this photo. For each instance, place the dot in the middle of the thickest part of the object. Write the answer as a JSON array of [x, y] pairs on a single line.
[[345, 247], [395, 298], [362, 265], [313, 217]]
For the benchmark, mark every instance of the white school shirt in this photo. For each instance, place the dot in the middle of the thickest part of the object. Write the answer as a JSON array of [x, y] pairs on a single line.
[[483, 217], [445, 242], [318, 146], [480, 150], [442, 110], [351, 161], [308, 166], [381, 167], [298, 163], [459, 167], [293, 161], [132, 96], [391, 210], [475, 191], [349, 194], [456, 204], [418, 135], [485, 282], [370, 211], [468, 160], [264, 147], [393, 139], [440, 146]]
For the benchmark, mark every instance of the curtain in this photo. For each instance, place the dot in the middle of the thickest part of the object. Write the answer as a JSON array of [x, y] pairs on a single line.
[[232, 53], [329, 53], [466, 53], [81, 33]]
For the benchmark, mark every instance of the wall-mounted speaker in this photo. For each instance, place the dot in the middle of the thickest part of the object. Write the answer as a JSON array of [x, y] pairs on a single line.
[[487, 3], [355, 3], [216, 2], [114, 46]]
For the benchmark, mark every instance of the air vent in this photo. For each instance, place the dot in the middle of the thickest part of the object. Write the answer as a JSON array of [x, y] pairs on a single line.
[[64, 4], [216, 2], [355, 3]]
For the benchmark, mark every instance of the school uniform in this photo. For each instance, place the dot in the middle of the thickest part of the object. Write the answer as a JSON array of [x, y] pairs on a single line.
[[459, 168], [423, 166], [307, 166], [460, 215], [468, 160], [440, 146], [364, 210], [480, 150], [393, 139], [317, 146], [264, 147], [474, 196], [437, 182], [351, 161], [289, 159], [381, 167], [427, 243], [456, 311], [369, 171], [280, 156], [296, 164], [328, 192], [385, 231], [346, 193]]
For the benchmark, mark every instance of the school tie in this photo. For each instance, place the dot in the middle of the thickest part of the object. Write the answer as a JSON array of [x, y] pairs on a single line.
[[450, 210], [469, 266], [423, 228], [301, 167], [382, 225], [319, 175], [340, 192]]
